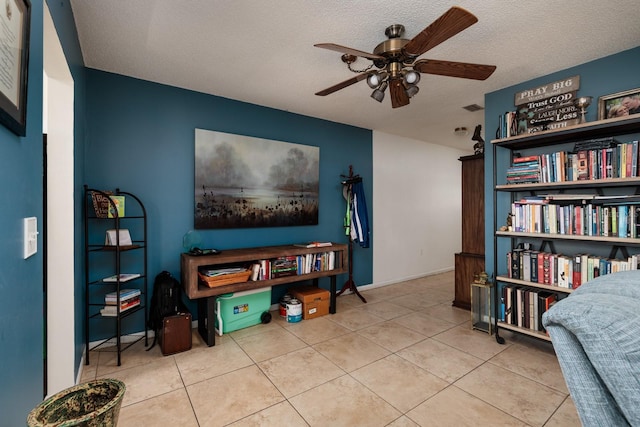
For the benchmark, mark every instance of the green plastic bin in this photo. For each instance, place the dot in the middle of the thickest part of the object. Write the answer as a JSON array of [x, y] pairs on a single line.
[[240, 310]]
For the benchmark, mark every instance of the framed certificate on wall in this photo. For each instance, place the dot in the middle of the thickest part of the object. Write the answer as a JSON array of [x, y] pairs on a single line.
[[15, 23]]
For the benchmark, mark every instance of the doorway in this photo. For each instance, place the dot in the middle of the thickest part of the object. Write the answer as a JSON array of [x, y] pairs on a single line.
[[58, 95]]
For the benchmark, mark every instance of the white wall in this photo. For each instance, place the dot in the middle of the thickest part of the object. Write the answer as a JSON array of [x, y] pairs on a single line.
[[58, 119], [417, 208]]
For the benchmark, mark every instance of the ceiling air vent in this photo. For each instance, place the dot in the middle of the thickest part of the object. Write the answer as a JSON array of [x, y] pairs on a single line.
[[473, 107]]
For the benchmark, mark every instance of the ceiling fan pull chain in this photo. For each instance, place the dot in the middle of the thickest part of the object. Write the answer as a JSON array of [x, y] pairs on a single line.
[[364, 70]]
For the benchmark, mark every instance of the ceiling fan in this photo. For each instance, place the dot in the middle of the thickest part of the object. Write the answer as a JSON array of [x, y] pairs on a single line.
[[395, 59]]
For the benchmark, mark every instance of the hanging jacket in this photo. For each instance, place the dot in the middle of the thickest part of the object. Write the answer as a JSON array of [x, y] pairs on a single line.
[[359, 216]]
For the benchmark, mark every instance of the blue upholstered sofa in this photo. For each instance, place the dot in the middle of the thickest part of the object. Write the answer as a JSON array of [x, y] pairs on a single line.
[[595, 332]]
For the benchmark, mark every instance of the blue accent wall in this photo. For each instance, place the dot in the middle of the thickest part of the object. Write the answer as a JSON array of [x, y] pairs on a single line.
[[21, 319], [612, 74], [140, 137]]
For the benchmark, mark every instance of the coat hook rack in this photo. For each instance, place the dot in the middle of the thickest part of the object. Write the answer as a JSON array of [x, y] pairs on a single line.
[[350, 284]]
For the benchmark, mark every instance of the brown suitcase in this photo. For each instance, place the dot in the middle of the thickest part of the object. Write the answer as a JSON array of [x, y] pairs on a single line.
[[175, 335]]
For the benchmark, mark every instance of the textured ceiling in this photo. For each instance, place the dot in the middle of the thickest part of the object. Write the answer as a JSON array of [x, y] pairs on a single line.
[[262, 52]]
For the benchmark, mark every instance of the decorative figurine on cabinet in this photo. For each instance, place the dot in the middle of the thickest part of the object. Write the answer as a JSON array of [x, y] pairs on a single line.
[[478, 147]]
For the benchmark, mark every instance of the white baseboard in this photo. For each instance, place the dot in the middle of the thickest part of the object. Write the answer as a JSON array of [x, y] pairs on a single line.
[[404, 279]]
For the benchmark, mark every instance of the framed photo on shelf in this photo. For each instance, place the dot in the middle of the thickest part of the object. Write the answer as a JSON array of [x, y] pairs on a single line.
[[619, 104], [15, 18]]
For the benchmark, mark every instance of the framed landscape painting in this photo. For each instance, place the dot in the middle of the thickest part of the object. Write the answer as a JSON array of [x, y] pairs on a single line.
[[243, 182]]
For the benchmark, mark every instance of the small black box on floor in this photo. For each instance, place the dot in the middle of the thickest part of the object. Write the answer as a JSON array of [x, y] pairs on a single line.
[[175, 335]]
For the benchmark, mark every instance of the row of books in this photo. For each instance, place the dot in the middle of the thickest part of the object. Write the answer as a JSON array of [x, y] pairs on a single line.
[[619, 161], [524, 170], [564, 271], [294, 265], [508, 125], [129, 298], [316, 262], [539, 215], [524, 307]]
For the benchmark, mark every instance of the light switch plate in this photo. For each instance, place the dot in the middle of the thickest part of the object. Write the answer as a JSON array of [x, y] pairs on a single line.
[[30, 236]]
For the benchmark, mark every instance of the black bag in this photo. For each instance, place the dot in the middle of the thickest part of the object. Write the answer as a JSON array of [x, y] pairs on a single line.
[[165, 301]]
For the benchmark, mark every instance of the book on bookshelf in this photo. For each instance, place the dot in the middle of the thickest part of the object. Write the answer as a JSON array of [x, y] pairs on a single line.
[[313, 244], [124, 277], [122, 236], [124, 303], [215, 272], [284, 266], [103, 207], [112, 310], [509, 313], [577, 271], [545, 301], [118, 201], [125, 294], [265, 269]]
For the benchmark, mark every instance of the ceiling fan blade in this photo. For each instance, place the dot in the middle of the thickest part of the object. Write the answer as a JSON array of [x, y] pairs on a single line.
[[342, 85], [348, 50], [448, 25], [399, 97], [464, 70]]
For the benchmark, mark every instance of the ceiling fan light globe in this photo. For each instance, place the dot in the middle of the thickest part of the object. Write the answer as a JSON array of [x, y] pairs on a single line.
[[412, 77], [373, 80]]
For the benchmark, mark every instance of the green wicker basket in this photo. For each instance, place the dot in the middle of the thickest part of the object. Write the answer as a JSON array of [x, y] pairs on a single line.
[[91, 404]]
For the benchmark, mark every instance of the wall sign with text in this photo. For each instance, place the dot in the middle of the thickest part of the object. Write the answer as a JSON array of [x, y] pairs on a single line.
[[551, 106]]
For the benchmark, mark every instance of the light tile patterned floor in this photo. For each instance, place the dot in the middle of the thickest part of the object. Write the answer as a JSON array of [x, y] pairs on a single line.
[[406, 358]]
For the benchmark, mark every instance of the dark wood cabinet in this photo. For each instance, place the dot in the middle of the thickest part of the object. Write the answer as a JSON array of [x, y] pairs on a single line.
[[471, 260]]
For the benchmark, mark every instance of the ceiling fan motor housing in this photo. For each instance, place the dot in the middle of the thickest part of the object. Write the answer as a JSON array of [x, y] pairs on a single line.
[[393, 51]]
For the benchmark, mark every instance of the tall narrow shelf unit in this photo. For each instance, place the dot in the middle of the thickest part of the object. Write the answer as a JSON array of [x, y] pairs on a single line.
[[105, 260], [576, 240]]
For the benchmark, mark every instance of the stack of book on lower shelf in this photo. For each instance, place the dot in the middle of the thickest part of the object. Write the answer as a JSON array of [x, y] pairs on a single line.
[[284, 266], [129, 298], [524, 170]]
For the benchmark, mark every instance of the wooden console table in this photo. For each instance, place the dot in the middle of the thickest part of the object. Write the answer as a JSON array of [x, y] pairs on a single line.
[[195, 289]]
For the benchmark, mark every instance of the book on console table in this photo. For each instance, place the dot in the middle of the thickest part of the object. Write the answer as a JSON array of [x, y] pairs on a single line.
[[313, 244]]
